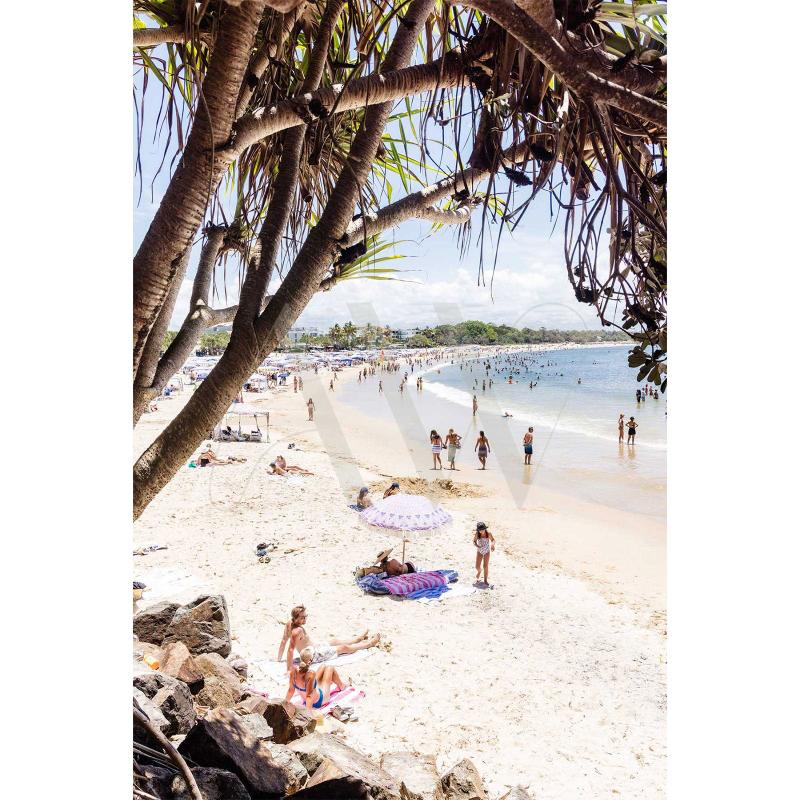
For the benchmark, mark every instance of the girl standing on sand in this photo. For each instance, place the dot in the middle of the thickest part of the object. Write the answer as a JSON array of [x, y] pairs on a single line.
[[484, 541], [483, 448], [436, 449]]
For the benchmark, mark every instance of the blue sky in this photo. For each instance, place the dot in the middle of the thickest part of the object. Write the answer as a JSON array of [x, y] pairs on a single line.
[[530, 286]]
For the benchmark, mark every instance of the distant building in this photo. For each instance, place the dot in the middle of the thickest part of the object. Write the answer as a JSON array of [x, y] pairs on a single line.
[[228, 326], [404, 333], [296, 334]]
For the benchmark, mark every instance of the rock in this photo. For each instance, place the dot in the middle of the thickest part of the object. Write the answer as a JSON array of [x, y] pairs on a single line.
[[239, 664], [257, 726], [417, 774], [171, 697], [217, 693], [286, 757], [202, 625], [153, 713], [143, 649], [214, 784], [288, 721], [175, 703], [339, 771], [221, 740], [517, 794], [177, 661], [151, 624], [463, 782], [252, 704], [213, 665]]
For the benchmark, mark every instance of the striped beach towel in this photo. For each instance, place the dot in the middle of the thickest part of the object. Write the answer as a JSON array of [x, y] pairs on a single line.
[[414, 581]]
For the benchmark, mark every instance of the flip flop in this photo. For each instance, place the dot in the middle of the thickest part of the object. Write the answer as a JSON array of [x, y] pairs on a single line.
[[264, 559]]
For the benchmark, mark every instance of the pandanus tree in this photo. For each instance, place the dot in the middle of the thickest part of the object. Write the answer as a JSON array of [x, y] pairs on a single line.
[[293, 123]]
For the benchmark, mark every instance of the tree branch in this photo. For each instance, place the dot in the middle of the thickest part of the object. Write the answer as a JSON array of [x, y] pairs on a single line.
[[443, 73], [170, 34], [570, 66]]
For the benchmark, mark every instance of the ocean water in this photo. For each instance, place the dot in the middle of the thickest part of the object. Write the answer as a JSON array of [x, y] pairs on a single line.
[[576, 445]]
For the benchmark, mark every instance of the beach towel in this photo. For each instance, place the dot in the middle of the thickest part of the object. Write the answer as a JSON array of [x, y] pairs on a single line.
[[406, 585], [348, 696], [434, 593], [276, 670]]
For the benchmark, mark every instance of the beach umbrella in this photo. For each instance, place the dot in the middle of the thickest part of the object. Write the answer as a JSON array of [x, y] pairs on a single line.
[[406, 513]]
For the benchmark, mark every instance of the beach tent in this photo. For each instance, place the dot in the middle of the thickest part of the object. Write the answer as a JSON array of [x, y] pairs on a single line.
[[239, 411]]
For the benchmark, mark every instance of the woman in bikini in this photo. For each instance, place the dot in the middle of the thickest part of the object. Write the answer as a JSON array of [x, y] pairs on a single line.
[[281, 462], [621, 424], [436, 449], [314, 686], [295, 635], [483, 449]]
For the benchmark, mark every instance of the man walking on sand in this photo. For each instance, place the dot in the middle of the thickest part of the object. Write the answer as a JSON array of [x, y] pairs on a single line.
[[527, 445]]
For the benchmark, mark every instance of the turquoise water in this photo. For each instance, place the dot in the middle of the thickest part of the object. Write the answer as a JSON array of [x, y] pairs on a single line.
[[575, 425]]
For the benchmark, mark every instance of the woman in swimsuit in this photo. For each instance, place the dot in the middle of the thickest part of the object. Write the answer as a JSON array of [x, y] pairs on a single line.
[[632, 426], [295, 635], [314, 686], [393, 489], [363, 501], [453, 442], [281, 462], [483, 448], [436, 449], [621, 424]]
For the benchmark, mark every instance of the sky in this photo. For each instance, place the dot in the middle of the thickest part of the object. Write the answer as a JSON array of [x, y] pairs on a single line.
[[530, 286]]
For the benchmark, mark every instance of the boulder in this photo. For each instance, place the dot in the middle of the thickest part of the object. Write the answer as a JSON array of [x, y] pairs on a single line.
[[213, 665], [142, 650], [153, 713], [517, 794], [288, 721], [257, 726], [463, 782], [151, 624], [252, 704], [177, 661], [221, 740], [202, 625], [175, 703], [214, 784], [286, 757], [239, 664], [339, 771], [171, 697], [417, 774], [218, 693]]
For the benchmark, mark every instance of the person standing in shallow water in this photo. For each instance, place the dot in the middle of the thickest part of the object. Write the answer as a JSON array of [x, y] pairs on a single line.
[[621, 425], [632, 426], [527, 445]]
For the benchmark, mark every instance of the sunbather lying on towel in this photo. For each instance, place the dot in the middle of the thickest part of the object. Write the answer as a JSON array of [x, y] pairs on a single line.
[[391, 566], [315, 686], [295, 634], [208, 458], [280, 461]]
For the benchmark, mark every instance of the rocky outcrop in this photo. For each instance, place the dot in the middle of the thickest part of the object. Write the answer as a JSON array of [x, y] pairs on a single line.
[[172, 699], [221, 740], [177, 661], [202, 625]]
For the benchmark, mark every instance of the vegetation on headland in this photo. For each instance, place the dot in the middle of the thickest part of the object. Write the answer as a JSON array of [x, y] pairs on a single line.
[[471, 332]]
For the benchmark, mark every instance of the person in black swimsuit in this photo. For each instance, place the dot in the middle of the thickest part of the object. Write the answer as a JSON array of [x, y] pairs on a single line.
[[632, 426]]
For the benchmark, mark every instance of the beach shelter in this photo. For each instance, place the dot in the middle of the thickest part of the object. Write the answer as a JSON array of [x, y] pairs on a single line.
[[243, 411], [407, 514]]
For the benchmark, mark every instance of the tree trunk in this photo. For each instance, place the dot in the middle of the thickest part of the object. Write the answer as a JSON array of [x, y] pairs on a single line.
[[184, 204], [250, 345]]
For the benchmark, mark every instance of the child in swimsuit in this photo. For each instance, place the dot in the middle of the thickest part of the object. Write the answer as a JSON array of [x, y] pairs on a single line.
[[484, 542]]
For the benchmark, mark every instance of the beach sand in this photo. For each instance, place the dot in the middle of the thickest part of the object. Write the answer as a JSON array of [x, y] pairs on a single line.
[[555, 680]]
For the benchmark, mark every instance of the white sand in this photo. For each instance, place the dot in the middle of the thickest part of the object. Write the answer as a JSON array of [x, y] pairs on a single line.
[[555, 680]]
